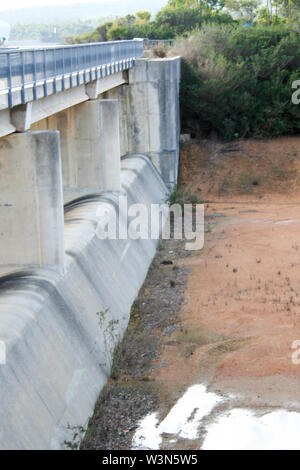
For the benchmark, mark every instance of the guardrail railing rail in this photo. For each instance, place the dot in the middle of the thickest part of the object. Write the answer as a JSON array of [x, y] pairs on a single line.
[[151, 43], [20, 68]]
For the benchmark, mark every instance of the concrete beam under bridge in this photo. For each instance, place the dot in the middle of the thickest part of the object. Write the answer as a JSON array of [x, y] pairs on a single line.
[[23, 116]]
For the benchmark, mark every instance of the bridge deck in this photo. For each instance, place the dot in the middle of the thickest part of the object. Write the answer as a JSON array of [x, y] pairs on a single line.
[[44, 71]]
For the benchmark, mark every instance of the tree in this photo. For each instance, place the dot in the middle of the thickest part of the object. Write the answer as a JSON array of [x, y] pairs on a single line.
[[102, 31], [200, 4], [290, 9], [143, 15], [178, 18], [246, 9], [181, 3]]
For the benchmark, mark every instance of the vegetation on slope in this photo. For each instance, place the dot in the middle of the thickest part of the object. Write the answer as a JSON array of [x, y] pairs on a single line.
[[237, 82], [240, 58]]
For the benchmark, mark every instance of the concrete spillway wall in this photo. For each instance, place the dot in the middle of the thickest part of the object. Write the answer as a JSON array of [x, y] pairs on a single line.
[[60, 329]]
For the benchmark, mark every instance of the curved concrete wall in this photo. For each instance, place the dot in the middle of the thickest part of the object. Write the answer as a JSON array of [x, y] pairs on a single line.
[[60, 330]]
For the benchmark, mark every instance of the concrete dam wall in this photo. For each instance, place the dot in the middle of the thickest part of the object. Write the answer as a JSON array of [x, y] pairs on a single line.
[[69, 150], [60, 329]]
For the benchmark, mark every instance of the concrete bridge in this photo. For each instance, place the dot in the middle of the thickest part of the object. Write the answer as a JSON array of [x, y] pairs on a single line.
[[79, 125]]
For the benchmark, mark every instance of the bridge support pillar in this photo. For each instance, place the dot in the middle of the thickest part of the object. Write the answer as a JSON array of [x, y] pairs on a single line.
[[90, 147], [31, 202], [149, 110], [110, 145]]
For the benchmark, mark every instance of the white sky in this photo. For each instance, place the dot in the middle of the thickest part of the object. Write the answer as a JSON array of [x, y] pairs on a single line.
[[13, 4]]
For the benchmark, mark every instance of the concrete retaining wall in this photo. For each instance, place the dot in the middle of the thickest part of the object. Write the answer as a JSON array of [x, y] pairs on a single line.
[[149, 113], [60, 330]]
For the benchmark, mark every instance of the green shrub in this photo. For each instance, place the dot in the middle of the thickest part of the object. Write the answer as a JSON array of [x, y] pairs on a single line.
[[237, 81], [182, 20], [178, 196], [168, 23]]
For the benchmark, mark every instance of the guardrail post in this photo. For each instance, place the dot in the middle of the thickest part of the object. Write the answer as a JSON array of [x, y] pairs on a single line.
[[54, 67], [9, 82], [71, 68], [77, 61], [22, 78], [63, 70], [34, 75], [45, 73]]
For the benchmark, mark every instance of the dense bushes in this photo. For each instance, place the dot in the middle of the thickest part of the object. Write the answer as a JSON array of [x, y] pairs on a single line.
[[183, 20], [237, 81], [168, 24]]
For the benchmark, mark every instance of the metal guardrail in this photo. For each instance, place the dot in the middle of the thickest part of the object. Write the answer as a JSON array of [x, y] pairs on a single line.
[[22, 67], [150, 43]]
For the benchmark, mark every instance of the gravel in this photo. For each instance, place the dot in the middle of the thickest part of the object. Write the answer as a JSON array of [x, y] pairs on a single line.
[[130, 393]]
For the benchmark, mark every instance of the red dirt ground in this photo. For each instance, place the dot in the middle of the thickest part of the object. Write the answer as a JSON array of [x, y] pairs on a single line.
[[242, 310]]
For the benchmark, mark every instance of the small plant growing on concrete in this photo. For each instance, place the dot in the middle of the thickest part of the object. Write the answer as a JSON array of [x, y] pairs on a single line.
[[78, 434], [110, 335]]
